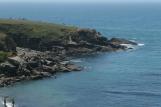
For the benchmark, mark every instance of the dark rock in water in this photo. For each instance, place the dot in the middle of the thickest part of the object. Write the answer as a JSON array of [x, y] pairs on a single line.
[[104, 49], [118, 41], [8, 69], [48, 69], [69, 68], [73, 67], [35, 77], [117, 46], [37, 74], [46, 74], [63, 69]]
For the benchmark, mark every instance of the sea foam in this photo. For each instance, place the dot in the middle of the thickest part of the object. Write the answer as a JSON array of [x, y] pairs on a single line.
[[141, 44]]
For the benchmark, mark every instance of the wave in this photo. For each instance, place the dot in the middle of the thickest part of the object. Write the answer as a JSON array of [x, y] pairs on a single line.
[[136, 93], [131, 46], [141, 44], [138, 44], [128, 46], [154, 74]]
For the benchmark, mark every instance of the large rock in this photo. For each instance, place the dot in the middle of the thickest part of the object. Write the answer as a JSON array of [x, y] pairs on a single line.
[[8, 69], [91, 36], [69, 68], [73, 67], [48, 69], [16, 60], [118, 41], [32, 64]]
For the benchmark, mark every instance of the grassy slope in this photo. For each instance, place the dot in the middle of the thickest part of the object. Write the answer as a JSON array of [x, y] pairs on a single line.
[[34, 29], [4, 55]]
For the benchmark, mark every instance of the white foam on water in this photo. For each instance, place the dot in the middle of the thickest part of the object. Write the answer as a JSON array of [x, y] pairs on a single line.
[[133, 40], [141, 44], [138, 44], [128, 46]]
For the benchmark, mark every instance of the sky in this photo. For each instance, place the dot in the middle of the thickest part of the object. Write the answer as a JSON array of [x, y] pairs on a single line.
[[80, 0]]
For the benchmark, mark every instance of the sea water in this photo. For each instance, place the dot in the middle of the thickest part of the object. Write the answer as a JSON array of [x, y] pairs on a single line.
[[119, 79]]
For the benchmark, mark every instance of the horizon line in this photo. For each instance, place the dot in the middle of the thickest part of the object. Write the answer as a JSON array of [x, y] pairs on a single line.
[[118, 2]]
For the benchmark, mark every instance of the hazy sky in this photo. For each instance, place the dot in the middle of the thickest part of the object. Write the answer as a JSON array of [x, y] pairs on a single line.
[[80, 0]]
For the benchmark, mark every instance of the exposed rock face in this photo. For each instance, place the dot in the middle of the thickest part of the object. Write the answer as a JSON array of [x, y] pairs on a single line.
[[48, 55], [26, 42], [91, 36], [83, 40], [118, 41], [8, 69], [15, 60], [32, 65], [7, 43]]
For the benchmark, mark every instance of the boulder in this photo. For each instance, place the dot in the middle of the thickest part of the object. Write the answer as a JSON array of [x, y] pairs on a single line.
[[72, 67], [16, 60], [64, 69], [32, 64], [91, 36], [69, 68], [48, 69], [46, 74], [35, 77], [104, 49], [8, 69], [118, 41]]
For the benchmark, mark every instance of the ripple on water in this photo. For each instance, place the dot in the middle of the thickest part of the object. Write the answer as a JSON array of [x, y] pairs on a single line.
[[136, 93]]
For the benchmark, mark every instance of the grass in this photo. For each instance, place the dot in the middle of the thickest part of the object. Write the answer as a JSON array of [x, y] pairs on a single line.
[[3, 56], [35, 29], [31, 29]]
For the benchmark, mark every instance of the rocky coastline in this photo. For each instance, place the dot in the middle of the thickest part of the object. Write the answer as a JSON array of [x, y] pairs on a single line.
[[33, 58]]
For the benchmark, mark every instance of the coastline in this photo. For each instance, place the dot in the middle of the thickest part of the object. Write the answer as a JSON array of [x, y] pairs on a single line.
[[35, 54]]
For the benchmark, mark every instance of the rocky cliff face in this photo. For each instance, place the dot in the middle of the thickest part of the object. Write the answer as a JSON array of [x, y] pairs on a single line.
[[83, 39], [78, 37], [7, 43], [46, 49]]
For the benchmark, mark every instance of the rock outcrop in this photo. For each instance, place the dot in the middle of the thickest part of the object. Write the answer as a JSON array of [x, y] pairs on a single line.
[[42, 52], [7, 43], [32, 65]]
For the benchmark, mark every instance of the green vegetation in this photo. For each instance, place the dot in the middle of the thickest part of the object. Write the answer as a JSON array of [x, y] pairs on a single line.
[[22, 30], [3, 56], [34, 29]]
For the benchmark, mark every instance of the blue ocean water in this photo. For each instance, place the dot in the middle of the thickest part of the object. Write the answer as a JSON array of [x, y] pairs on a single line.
[[122, 79]]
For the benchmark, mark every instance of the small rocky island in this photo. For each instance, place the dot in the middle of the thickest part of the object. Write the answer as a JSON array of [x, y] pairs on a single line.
[[34, 50]]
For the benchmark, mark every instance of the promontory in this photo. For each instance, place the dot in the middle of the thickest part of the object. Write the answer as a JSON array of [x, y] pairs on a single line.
[[31, 50]]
